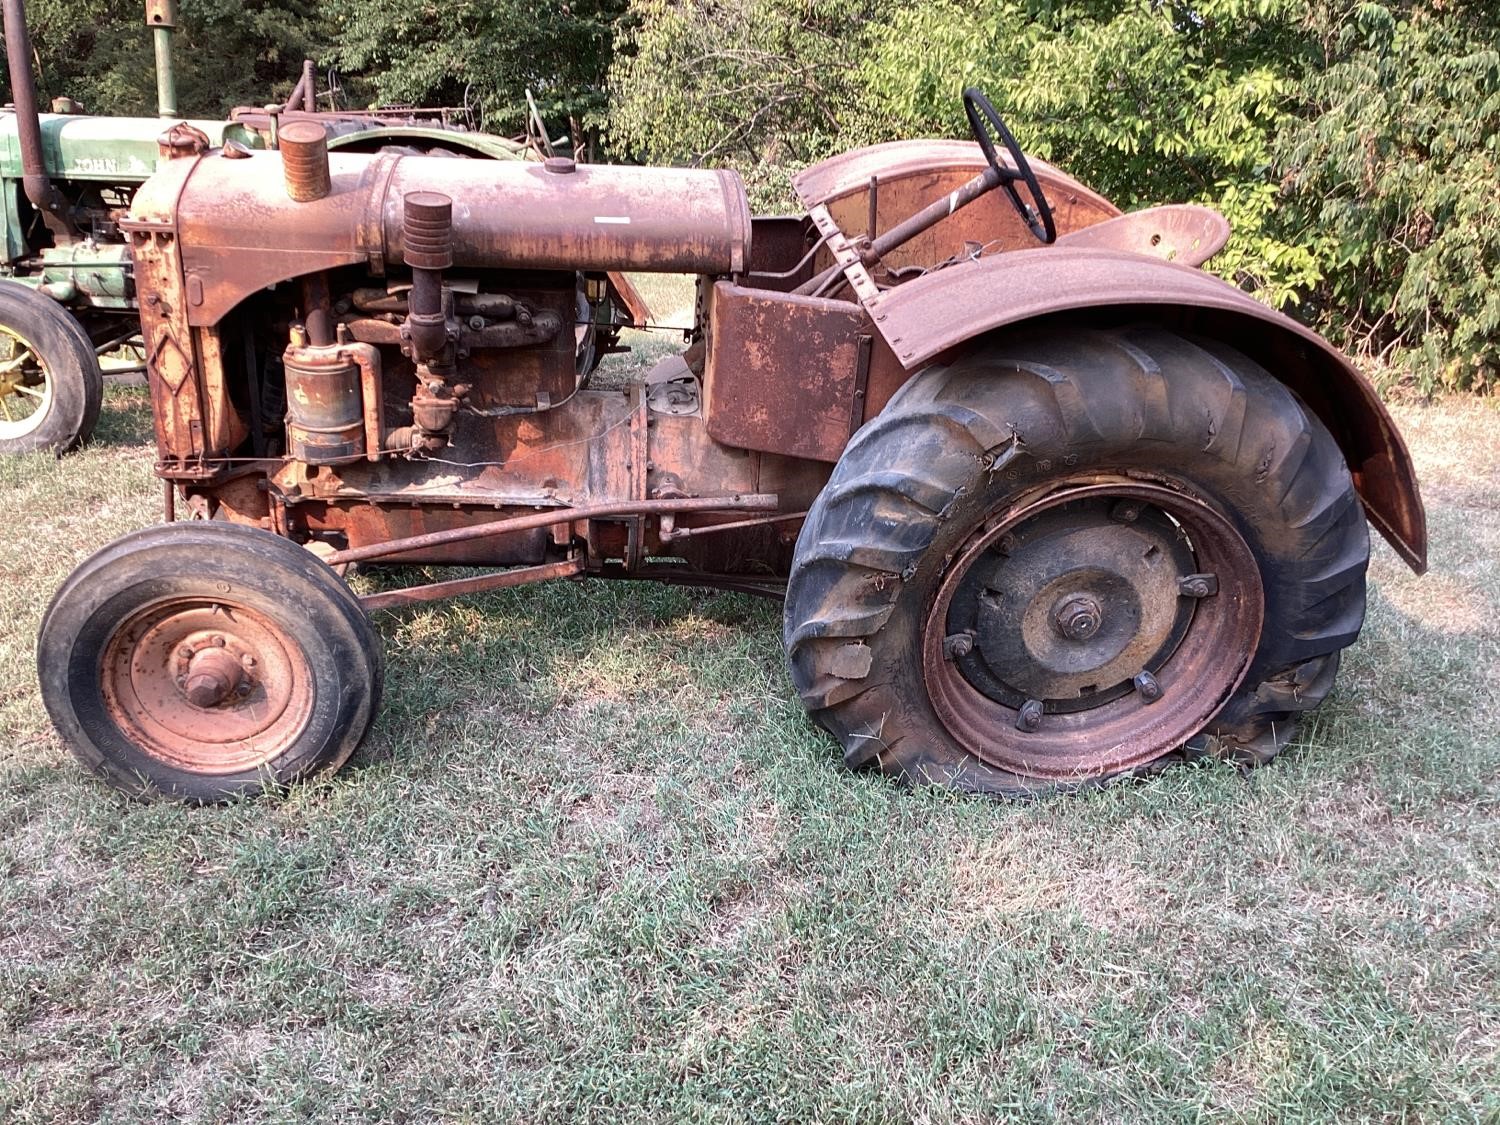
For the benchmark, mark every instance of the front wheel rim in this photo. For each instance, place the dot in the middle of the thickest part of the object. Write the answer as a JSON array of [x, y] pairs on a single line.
[[206, 686], [25, 386], [1091, 630]]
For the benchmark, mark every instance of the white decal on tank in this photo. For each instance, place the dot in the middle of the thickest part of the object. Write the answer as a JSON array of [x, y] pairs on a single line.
[[612, 218]]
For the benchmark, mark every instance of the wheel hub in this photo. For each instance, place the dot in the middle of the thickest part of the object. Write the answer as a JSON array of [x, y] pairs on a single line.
[[1072, 604], [1063, 622], [1078, 617], [206, 686]]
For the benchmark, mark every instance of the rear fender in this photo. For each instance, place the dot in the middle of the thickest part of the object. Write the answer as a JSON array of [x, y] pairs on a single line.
[[941, 311], [908, 175]]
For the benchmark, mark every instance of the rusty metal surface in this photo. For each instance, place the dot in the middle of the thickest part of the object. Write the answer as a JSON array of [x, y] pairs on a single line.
[[630, 298], [240, 232], [1060, 645], [1180, 232], [326, 419], [623, 508], [910, 175], [850, 172], [207, 686], [35, 183], [161, 13], [434, 591], [934, 314], [783, 370], [304, 161]]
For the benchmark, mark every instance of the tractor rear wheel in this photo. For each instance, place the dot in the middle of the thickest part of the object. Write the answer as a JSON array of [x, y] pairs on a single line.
[[1070, 557], [51, 387], [204, 661]]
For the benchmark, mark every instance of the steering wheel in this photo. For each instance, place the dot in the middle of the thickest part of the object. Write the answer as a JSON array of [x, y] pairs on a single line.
[[1038, 220]]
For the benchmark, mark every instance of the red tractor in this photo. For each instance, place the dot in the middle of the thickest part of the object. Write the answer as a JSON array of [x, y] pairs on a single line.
[[1047, 504]]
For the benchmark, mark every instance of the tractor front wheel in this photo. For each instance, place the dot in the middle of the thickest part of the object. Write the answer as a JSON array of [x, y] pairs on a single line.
[[204, 661], [1071, 557]]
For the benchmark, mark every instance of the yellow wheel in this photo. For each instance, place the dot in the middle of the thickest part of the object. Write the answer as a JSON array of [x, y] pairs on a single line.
[[50, 382]]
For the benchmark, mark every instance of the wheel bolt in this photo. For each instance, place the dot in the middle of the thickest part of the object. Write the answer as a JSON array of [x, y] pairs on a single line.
[[1126, 511], [1198, 585], [1030, 717], [248, 661], [186, 652], [218, 642], [958, 645], [1148, 687]]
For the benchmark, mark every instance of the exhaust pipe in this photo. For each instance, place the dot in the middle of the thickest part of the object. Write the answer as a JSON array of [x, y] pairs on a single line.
[[161, 18], [38, 186]]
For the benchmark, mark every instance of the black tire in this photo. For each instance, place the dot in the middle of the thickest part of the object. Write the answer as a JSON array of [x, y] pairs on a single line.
[[1023, 414], [73, 383], [112, 638]]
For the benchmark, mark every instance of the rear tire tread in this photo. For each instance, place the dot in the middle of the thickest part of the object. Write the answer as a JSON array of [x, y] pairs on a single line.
[[1004, 396]]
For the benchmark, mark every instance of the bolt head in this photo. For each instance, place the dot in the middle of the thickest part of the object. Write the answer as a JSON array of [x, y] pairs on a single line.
[[958, 646], [1030, 716], [1078, 618], [1148, 687]]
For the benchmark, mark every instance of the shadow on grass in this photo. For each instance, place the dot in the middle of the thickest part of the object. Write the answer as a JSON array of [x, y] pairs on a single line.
[[125, 417]]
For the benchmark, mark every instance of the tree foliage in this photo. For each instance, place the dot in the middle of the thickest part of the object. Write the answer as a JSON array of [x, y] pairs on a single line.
[[1354, 144], [228, 53], [761, 85], [1391, 164], [417, 51]]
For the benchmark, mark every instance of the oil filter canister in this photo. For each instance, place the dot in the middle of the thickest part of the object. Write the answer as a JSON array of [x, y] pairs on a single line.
[[325, 410]]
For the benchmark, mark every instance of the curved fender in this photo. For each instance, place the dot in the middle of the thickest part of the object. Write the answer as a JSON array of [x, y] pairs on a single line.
[[470, 144], [935, 313], [850, 172]]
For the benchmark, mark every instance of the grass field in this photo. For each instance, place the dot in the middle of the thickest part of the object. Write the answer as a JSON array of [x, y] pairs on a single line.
[[594, 863]]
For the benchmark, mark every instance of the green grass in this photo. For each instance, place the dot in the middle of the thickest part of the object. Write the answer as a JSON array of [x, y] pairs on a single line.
[[594, 863]]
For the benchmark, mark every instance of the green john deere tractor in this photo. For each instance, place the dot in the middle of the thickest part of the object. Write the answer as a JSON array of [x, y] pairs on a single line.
[[67, 292]]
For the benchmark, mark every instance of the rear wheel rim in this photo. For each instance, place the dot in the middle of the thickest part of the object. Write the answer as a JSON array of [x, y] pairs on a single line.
[[1091, 630], [25, 386], [206, 686]]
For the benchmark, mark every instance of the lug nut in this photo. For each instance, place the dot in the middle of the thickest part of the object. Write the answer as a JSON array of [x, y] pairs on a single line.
[[247, 660], [1078, 618], [958, 645], [1148, 687], [1126, 511], [1198, 585], [218, 642], [1030, 717]]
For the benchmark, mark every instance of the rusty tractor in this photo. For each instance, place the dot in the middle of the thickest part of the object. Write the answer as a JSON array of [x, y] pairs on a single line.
[[67, 288], [1047, 504]]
